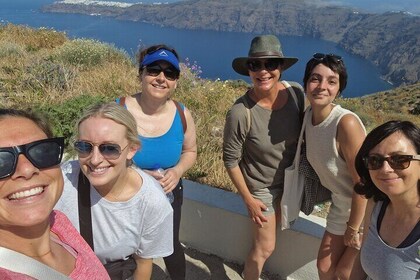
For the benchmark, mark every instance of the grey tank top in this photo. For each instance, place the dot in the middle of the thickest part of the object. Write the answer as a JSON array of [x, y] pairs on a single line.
[[382, 262]]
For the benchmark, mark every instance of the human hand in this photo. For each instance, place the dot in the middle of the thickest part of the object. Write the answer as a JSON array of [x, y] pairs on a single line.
[[170, 180], [353, 238], [255, 208], [155, 174]]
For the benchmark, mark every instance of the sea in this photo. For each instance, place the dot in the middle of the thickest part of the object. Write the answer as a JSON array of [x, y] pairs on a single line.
[[212, 51]]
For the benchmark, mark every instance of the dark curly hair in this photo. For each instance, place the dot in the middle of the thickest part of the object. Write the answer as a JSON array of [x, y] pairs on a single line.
[[337, 66], [366, 187]]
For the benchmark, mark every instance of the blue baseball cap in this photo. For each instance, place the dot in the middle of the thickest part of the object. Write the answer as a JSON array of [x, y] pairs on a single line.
[[161, 54]]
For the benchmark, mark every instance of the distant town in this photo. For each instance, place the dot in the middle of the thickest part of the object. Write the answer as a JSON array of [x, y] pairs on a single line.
[[104, 3]]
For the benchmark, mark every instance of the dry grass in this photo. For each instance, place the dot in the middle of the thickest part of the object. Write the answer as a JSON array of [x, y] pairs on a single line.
[[36, 72]]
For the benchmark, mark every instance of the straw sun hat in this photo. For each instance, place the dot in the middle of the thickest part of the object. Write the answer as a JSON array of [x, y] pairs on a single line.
[[265, 46]]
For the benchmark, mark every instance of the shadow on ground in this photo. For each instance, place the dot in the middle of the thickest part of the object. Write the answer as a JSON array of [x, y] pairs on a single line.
[[201, 266]]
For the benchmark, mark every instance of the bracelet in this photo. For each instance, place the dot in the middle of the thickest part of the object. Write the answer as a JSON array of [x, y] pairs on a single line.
[[351, 227]]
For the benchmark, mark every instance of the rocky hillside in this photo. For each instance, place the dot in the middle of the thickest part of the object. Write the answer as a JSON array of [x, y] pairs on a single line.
[[389, 40]]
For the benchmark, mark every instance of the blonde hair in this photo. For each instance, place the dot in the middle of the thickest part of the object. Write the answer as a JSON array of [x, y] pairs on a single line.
[[114, 112]]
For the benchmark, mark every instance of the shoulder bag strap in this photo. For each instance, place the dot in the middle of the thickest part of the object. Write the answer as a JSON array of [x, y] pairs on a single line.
[[85, 217], [248, 113], [122, 101], [296, 99], [181, 114], [20, 263]]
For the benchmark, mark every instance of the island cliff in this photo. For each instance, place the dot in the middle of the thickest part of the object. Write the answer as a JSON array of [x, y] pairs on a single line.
[[390, 40]]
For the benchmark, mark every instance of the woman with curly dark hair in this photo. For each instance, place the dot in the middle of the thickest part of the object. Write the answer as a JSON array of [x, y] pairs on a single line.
[[388, 164]]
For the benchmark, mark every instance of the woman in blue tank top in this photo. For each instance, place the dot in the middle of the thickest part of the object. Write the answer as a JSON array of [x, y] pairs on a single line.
[[167, 132]]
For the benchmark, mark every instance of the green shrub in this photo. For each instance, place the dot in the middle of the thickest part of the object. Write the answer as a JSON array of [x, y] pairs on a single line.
[[46, 74], [415, 110], [8, 49], [86, 53], [64, 116]]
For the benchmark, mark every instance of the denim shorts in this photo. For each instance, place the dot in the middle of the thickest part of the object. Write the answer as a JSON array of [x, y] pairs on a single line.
[[271, 198]]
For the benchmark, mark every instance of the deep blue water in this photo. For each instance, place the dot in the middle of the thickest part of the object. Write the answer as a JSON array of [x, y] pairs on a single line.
[[213, 51]]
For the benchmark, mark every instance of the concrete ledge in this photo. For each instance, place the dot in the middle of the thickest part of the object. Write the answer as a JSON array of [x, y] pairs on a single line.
[[216, 221]]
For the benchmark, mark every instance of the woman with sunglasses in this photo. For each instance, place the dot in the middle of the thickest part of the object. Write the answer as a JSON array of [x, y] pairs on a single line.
[[39, 243], [260, 138], [388, 164], [167, 132], [333, 136], [130, 218]]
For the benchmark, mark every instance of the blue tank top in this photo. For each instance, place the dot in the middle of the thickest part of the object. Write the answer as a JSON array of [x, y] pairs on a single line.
[[163, 151]]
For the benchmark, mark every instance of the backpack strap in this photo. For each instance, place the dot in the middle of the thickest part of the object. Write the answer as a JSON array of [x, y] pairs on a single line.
[[85, 216], [181, 114], [299, 105], [121, 101], [20, 263], [248, 113]]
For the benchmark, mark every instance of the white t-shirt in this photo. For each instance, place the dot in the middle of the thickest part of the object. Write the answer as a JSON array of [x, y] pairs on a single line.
[[142, 225]]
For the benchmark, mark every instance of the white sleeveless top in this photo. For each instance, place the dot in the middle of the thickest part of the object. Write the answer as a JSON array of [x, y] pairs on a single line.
[[322, 153]]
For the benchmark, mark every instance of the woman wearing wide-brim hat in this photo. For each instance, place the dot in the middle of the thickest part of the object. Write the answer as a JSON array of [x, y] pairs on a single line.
[[260, 138]]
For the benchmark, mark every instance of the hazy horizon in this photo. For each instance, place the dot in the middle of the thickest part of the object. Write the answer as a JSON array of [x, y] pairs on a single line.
[[376, 6]]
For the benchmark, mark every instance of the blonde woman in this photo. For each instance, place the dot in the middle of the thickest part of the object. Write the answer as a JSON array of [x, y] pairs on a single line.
[[130, 215]]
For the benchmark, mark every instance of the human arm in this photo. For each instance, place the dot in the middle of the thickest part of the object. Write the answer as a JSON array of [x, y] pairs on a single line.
[[350, 136], [234, 136], [144, 268], [187, 159], [366, 224], [254, 206]]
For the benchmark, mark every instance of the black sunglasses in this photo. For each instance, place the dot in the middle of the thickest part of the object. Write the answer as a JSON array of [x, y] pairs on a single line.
[[42, 154], [270, 64], [326, 57], [107, 150], [375, 162], [170, 72]]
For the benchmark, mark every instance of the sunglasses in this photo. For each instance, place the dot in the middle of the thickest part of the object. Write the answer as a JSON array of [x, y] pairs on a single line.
[[108, 150], [375, 162], [327, 57], [170, 73], [257, 65], [42, 154]]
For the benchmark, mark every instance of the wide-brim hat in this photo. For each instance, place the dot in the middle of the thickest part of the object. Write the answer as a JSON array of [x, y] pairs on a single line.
[[265, 46]]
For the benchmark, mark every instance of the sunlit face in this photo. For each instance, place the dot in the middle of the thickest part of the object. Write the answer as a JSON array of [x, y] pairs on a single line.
[[394, 182], [264, 79], [323, 86], [100, 171], [158, 86], [28, 196]]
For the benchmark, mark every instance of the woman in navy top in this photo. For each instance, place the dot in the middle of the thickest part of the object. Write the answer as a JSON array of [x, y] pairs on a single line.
[[167, 132]]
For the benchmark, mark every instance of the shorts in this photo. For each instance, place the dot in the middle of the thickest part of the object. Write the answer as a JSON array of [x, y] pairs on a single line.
[[339, 214], [271, 198]]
